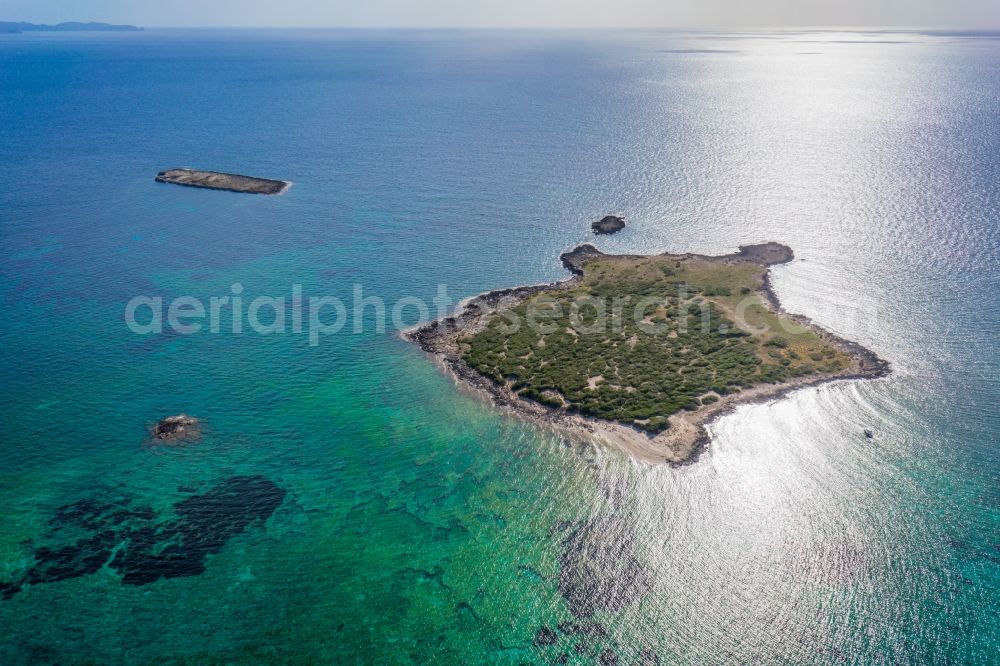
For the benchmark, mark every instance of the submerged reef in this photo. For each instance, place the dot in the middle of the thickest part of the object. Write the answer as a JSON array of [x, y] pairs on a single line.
[[599, 568], [140, 545]]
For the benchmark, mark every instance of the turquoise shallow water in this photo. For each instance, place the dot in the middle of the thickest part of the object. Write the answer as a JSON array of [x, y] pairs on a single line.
[[354, 506]]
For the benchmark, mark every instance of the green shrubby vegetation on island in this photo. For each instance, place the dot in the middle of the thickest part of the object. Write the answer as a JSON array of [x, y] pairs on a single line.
[[637, 339]]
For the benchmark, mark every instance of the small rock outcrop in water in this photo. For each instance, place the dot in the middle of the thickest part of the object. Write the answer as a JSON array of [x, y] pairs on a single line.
[[608, 224], [180, 428]]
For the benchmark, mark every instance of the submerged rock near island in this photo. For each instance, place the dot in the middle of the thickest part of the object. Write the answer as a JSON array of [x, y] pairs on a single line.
[[217, 180]]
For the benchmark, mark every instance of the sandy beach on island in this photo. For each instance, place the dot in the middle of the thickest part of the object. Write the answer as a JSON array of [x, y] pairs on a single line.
[[686, 435]]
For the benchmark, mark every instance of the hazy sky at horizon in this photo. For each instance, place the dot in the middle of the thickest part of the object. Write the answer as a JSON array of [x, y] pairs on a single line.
[[515, 13]]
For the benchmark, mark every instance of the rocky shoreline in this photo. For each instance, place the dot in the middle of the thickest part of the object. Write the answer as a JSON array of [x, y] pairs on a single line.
[[686, 436]]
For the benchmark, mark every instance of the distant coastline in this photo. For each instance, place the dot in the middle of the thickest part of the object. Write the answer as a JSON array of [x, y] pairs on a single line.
[[686, 436], [16, 27]]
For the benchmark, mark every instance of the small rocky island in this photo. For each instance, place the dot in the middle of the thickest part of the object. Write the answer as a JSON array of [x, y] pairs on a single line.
[[217, 180], [177, 429], [608, 224], [642, 351]]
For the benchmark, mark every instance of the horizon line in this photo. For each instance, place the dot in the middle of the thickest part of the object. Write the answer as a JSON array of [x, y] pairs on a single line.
[[678, 28]]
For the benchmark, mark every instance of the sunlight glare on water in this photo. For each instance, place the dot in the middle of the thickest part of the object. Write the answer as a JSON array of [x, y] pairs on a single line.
[[404, 520]]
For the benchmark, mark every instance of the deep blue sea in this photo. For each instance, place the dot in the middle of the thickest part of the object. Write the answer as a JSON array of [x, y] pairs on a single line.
[[347, 503]]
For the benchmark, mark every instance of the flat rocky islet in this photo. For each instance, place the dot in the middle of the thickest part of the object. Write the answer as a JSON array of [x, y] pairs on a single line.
[[217, 180], [648, 385]]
